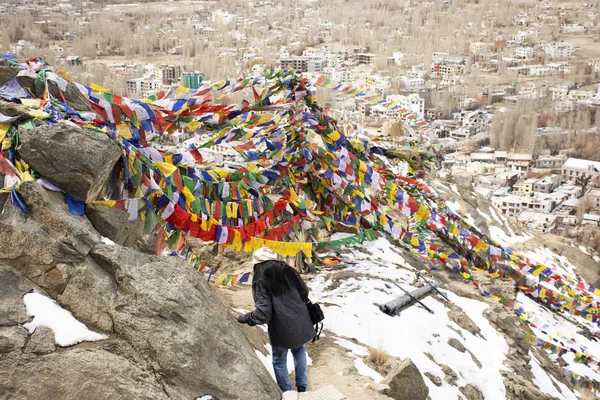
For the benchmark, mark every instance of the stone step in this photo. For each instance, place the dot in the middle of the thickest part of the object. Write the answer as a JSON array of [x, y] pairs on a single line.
[[325, 393]]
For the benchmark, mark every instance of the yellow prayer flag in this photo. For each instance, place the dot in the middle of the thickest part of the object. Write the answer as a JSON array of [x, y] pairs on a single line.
[[32, 103], [3, 130], [539, 270], [98, 88], [189, 196], [423, 213], [107, 203], [414, 241], [193, 125], [166, 169], [334, 136], [252, 168], [123, 130]]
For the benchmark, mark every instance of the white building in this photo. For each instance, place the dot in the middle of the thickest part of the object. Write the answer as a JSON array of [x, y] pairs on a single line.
[[412, 102], [412, 82], [481, 48], [574, 168], [524, 52], [512, 205], [142, 86], [559, 92], [559, 49]]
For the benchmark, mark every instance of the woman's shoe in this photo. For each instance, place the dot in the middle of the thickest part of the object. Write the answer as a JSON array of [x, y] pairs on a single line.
[[301, 389]]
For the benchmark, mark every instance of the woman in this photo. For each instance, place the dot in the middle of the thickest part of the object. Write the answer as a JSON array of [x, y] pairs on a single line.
[[280, 297]]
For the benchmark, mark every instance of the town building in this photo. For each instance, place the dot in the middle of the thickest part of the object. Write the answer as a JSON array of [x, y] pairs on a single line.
[[481, 48], [593, 195], [412, 102], [524, 52], [538, 221], [550, 161], [575, 168], [168, 74], [559, 50], [192, 80], [365, 58], [547, 184]]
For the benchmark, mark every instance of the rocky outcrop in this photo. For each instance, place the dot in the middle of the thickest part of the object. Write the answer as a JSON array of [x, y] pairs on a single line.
[[406, 382], [115, 225], [169, 333], [79, 161]]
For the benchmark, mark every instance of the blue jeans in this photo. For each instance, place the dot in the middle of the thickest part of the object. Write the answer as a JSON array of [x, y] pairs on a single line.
[[281, 371]]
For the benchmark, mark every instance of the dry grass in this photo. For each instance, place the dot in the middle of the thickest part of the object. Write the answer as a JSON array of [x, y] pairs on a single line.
[[378, 357], [586, 394]]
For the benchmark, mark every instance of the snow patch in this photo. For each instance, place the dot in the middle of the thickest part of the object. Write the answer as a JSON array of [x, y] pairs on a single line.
[[107, 241], [454, 206], [498, 235], [543, 381], [46, 312], [484, 215], [364, 370], [354, 348]]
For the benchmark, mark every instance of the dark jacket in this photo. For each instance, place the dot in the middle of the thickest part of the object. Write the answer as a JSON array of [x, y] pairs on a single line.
[[286, 315]]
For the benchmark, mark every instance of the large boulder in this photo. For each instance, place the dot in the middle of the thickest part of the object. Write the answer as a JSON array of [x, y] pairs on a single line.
[[78, 161], [78, 373], [406, 382], [170, 334], [115, 225], [196, 344]]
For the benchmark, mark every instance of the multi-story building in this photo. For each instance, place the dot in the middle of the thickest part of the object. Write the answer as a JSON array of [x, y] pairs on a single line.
[[520, 162], [593, 195], [304, 64], [525, 53], [575, 168], [550, 161], [192, 80], [412, 102], [512, 205], [547, 184], [168, 74], [412, 82], [559, 92], [365, 58], [142, 86], [481, 48], [559, 49], [570, 191]]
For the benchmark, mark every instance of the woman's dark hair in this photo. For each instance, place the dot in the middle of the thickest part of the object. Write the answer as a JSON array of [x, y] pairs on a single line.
[[278, 277]]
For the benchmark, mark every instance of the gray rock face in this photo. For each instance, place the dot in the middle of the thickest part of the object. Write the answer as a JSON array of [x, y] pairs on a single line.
[[7, 73], [457, 344], [472, 392], [114, 224], [163, 297], [78, 373], [41, 341], [79, 161], [406, 382], [170, 335]]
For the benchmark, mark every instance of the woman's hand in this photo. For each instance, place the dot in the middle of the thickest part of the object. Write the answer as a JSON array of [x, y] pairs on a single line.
[[243, 318]]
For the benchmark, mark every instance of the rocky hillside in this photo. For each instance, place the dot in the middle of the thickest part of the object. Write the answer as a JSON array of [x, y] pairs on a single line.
[[111, 229]]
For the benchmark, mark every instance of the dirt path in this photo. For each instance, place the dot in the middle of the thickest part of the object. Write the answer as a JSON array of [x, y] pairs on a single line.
[[331, 364]]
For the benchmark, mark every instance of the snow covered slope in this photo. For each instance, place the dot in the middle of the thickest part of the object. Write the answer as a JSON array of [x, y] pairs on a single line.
[[459, 344]]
